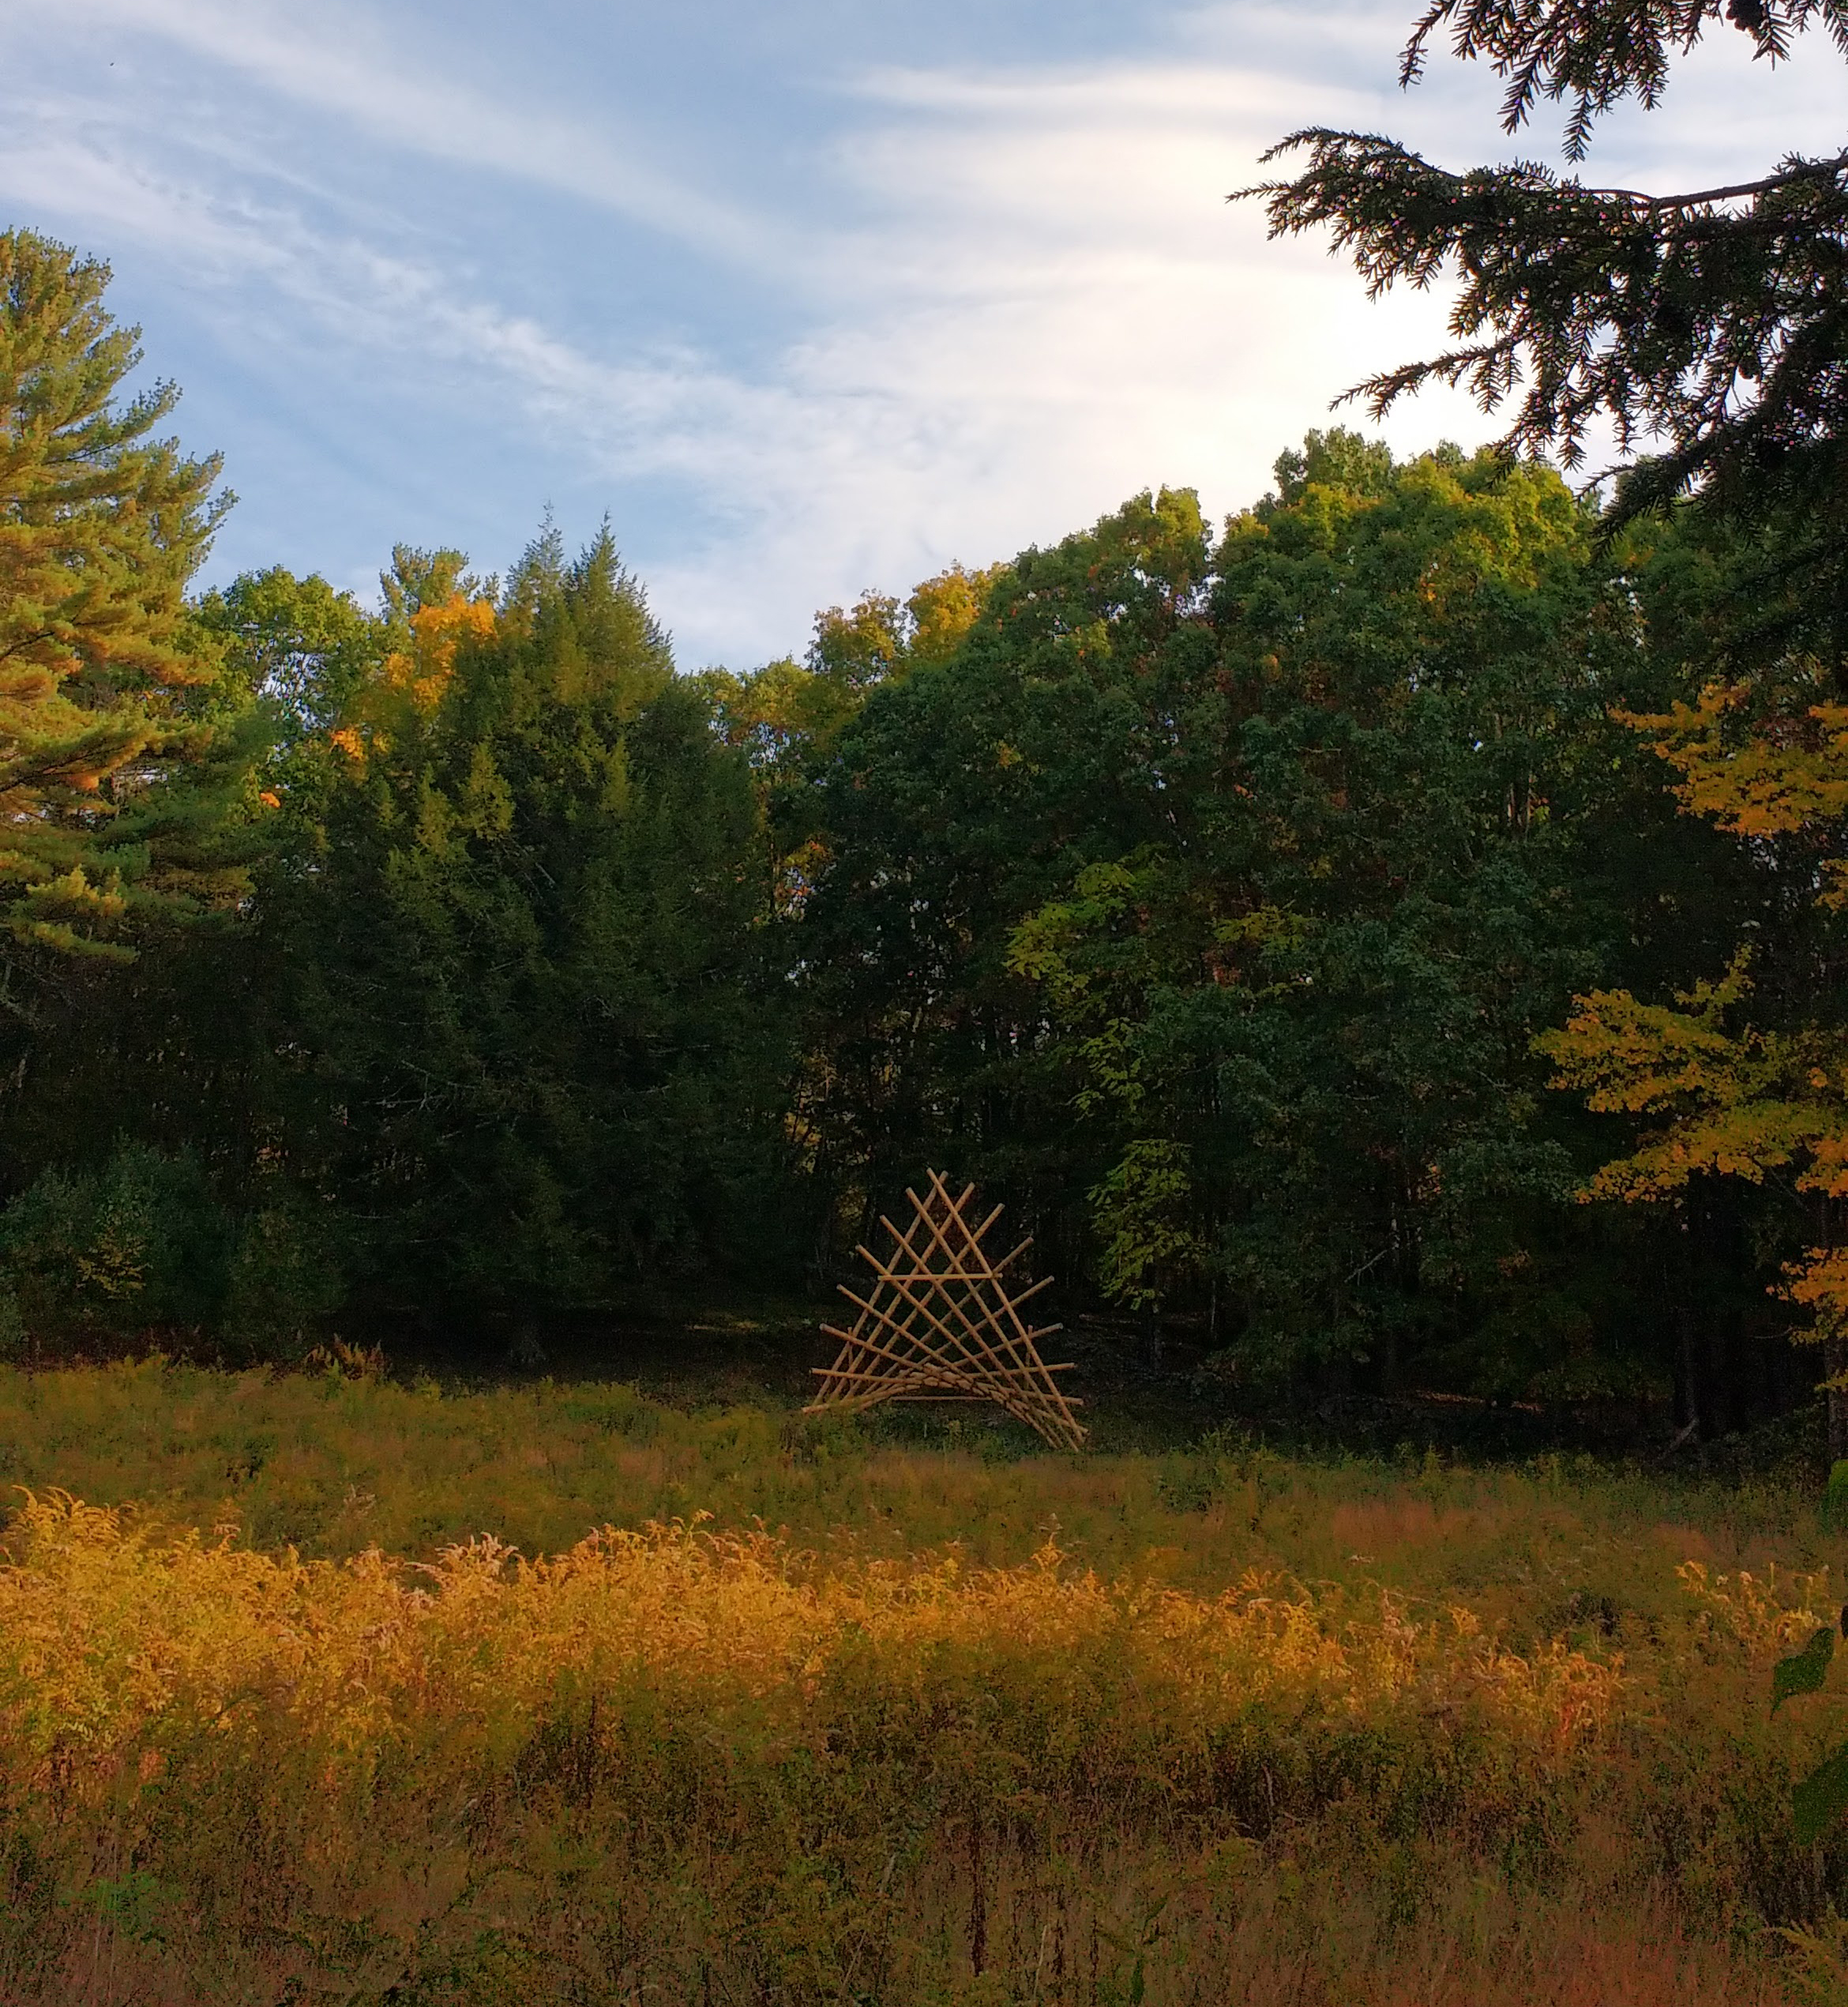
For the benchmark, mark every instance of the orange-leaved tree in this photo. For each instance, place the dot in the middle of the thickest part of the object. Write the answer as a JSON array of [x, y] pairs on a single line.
[[412, 680], [1728, 1090]]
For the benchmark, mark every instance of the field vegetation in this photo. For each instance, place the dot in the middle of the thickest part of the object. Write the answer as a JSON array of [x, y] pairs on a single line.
[[334, 1688]]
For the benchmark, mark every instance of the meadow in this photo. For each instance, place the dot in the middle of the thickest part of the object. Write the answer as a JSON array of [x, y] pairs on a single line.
[[327, 1687]]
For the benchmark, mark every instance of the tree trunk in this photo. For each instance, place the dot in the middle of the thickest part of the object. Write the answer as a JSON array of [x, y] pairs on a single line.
[[1152, 1338], [1392, 1375], [1693, 1408], [1722, 1404], [1835, 1363]]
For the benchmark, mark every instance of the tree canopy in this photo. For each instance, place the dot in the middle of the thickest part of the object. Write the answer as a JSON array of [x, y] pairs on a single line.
[[1388, 939], [1707, 328]]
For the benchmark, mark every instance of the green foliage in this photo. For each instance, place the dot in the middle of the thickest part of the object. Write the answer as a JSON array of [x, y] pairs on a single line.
[[1819, 1800], [1600, 54], [1805, 1671], [1201, 893], [137, 1242], [296, 642], [1230, 888], [1818, 1803], [283, 1279], [140, 1244], [101, 527], [519, 931], [1141, 1208], [1705, 321], [1202, 903], [958, 800]]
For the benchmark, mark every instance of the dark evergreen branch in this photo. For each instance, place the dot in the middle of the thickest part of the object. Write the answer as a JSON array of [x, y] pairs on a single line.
[[1596, 53], [1721, 336], [1807, 171]]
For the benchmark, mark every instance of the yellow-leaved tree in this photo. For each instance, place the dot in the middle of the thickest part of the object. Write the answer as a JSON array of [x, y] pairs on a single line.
[[102, 525], [1726, 1091], [412, 680]]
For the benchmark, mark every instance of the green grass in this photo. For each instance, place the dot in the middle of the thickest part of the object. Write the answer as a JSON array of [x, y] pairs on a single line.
[[333, 1466]]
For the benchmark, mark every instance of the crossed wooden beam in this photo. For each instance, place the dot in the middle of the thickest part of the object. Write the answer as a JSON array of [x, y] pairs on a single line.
[[941, 1325]]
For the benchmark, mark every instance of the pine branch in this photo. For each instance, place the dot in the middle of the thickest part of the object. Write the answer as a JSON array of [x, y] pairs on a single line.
[[1597, 53], [1721, 333], [1805, 171]]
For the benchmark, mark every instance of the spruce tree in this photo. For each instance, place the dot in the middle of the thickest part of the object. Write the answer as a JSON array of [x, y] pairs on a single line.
[[539, 1048]]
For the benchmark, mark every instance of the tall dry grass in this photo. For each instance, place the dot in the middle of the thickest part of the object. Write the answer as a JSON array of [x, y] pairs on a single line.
[[679, 1764]]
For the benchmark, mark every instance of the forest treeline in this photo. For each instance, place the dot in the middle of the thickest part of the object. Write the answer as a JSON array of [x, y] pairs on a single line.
[[1391, 935]]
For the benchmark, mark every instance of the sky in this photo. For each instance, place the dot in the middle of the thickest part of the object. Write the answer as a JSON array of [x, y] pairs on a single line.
[[806, 296]]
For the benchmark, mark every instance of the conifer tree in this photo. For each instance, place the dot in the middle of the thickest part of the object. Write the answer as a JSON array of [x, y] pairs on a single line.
[[538, 1054], [1708, 323], [102, 525]]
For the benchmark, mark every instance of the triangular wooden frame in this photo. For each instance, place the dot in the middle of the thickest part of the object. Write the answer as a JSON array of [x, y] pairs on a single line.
[[941, 1325]]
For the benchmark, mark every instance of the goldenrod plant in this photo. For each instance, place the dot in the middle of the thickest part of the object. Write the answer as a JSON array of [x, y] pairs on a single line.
[[292, 1717]]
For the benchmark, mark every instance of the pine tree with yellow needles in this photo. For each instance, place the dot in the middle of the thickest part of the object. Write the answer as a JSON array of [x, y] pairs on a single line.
[[101, 526]]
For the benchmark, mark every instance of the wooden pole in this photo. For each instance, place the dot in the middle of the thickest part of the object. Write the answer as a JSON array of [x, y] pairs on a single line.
[[940, 1324]]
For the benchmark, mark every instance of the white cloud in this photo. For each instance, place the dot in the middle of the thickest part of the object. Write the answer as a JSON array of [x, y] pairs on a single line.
[[340, 61], [1018, 294], [1052, 307]]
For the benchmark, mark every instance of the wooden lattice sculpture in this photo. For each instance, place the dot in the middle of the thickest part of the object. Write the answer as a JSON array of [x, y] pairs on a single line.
[[942, 1324]]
